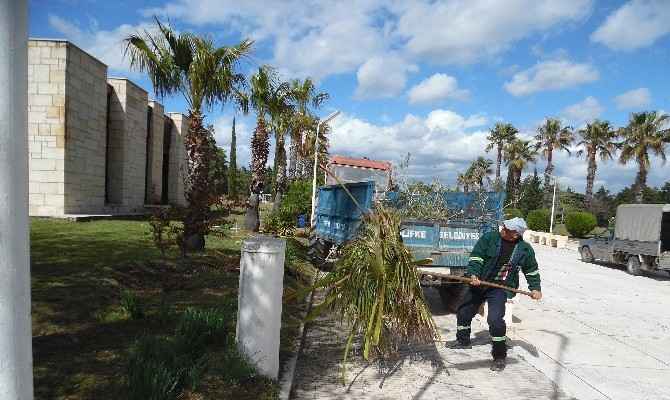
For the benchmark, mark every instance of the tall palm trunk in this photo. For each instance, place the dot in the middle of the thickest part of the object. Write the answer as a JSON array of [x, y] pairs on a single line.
[[280, 169], [548, 172], [260, 147], [590, 177], [199, 154], [640, 181], [498, 163], [293, 160]]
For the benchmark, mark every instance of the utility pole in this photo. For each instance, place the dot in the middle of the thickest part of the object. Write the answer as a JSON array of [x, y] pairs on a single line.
[[553, 205], [16, 371]]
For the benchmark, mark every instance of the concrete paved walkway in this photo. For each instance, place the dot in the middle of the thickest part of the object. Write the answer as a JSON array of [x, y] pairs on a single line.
[[599, 333]]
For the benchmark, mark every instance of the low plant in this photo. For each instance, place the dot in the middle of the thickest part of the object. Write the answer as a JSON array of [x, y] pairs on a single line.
[[155, 371], [198, 329], [539, 220], [132, 304], [580, 223]]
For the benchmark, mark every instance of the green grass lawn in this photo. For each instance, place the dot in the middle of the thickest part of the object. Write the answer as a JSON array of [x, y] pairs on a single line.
[[81, 333]]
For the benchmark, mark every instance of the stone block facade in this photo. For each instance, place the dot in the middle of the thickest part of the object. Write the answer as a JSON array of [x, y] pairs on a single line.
[[96, 143]]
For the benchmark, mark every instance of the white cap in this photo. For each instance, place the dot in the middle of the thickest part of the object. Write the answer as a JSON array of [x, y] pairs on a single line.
[[516, 224]]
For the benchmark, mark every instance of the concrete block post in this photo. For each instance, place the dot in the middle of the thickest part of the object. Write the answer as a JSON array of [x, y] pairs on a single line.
[[260, 302], [16, 375]]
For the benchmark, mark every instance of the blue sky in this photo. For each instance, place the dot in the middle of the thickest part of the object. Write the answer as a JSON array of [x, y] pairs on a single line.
[[425, 77]]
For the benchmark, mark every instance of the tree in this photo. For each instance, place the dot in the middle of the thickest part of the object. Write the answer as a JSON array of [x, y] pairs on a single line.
[[479, 172], [307, 98], [646, 133], [552, 136], [517, 155], [204, 74], [268, 98], [532, 194], [499, 136], [665, 193], [602, 205], [281, 120], [597, 139], [232, 169]]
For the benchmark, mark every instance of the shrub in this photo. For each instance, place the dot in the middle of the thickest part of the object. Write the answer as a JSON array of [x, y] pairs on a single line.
[[279, 223], [539, 220], [298, 199], [132, 305], [198, 329], [161, 229], [513, 213], [580, 223]]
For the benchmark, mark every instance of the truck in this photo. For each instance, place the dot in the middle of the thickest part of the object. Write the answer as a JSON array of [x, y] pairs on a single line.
[[448, 243], [640, 239]]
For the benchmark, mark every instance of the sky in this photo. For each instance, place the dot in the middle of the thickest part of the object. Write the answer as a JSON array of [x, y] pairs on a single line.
[[429, 78]]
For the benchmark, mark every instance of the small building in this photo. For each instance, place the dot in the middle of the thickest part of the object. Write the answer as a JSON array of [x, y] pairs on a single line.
[[348, 169], [97, 144]]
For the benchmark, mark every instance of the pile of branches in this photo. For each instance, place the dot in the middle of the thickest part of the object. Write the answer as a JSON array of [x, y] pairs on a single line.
[[376, 291]]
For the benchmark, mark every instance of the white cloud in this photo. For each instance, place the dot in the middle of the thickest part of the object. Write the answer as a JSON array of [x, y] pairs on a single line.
[[435, 88], [105, 45], [551, 75], [381, 77], [465, 31], [636, 24], [636, 98], [442, 144], [584, 111], [322, 37]]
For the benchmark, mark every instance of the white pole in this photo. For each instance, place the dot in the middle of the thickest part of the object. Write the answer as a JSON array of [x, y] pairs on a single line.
[[316, 158], [16, 372], [553, 204]]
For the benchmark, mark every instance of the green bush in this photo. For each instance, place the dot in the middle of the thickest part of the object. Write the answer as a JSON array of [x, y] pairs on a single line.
[[539, 220], [280, 223], [198, 329], [513, 213], [298, 199], [580, 223], [132, 305]]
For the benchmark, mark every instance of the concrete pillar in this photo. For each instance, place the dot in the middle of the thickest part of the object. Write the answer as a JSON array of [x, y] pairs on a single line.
[[260, 302], [16, 382]]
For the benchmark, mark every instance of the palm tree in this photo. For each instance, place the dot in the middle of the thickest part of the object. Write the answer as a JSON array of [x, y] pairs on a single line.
[[597, 139], [647, 132], [281, 125], [306, 98], [269, 98], [204, 74], [479, 170], [464, 180], [552, 136], [501, 134], [517, 155]]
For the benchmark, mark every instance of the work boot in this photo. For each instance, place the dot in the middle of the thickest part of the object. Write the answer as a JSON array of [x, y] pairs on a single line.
[[460, 344], [498, 364]]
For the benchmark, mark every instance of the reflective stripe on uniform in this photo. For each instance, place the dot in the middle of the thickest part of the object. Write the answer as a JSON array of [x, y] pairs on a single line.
[[498, 338], [477, 259], [462, 327], [536, 272]]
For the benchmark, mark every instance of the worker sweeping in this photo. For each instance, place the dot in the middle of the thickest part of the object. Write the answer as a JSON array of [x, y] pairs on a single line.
[[497, 257]]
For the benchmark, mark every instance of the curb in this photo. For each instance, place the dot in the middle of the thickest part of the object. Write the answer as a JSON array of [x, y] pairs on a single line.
[[288, 374]]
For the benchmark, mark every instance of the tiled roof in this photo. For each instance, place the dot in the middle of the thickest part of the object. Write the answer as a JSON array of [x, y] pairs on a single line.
[[361, 162]]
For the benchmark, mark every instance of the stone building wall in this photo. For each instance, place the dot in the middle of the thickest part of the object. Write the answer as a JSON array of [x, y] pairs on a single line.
[[155, 157], [85, 132], [127, 141], [46, 126], [96, 144], [177, 159]]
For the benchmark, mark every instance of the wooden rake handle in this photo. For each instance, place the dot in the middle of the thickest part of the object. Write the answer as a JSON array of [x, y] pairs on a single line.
[[483, 283]]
